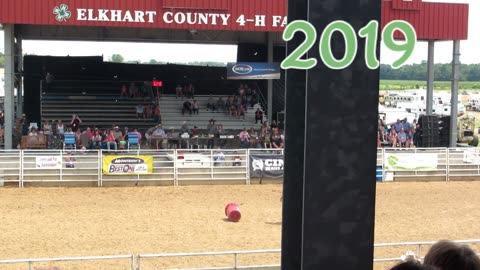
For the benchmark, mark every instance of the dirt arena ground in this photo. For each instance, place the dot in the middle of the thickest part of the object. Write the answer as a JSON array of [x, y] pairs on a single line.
[[59, 222]]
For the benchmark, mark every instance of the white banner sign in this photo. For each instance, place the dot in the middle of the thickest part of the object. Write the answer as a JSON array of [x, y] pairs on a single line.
[[48, 162], [410, 161]]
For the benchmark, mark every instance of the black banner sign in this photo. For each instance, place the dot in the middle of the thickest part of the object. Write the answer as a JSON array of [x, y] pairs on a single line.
[[269, 166]]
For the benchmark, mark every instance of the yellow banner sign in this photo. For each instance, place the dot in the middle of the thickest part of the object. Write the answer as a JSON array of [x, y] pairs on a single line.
[[127, 164]]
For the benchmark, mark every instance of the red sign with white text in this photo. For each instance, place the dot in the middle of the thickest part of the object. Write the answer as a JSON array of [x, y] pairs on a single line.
[[235, 15], [431, 20]]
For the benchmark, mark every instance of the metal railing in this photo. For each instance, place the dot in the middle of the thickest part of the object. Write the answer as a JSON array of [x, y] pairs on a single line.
[[234, 263], [30, 262], [135, 261], [181, 166]]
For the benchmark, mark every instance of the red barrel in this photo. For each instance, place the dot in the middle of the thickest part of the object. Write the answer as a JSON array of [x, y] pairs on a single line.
[[232, 211]]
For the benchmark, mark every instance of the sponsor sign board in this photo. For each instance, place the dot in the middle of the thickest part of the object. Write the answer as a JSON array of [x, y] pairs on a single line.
[[127, 165], [48, 162], [269, 166], [253, 71], [410, 161]]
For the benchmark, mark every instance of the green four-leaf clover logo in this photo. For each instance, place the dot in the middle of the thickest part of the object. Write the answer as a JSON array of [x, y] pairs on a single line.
[[62, 13]]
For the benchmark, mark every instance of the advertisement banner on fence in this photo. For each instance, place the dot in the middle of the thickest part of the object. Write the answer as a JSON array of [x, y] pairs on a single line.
[[269, 166], [253, 71], [48, 162], [410, 161], [127, 164]]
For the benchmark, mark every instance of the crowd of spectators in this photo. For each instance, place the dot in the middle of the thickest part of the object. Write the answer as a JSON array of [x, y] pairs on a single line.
[[236, 105], [214, 135], [398, 135]]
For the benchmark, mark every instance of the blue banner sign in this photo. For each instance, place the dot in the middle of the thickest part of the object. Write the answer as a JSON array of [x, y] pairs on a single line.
[[253, 71]]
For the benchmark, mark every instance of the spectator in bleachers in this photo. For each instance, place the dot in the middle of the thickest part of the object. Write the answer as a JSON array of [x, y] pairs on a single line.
[[60, 127], [173, 139], [78, 133], [265, 137], [110, 140], [446, 255], [156, 114], [402, 138], [244, 138], [221, 132], [195, 106], [410, 135], [47, 129], [179, 91], [75, 123], [241, 90], [276, 139], [158, 132], [212, 130], [229, 102], [244, 102], [86, 139], [70, 160], [221, 104], [398, 126], [139, 134], [140, 111], [25, 123], [97, 140], [189, 91], [187, 106], [185, 128], [273, 125], [253, 101], [133, 90], [254, 138], [241, 113], [33, 132], [219, 157], [69, 131], [148, 111], [123, 91], [117, 133], [258, 116], [406, 126], [211, 104]]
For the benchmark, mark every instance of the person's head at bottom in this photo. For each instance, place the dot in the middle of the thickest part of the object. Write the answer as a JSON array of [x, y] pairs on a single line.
[[446, 255], [412, 265]]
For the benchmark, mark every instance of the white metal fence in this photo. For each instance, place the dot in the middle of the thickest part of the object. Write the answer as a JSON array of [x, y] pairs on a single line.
[[181, 166], [171, 167], [134, 262], [431, 164]]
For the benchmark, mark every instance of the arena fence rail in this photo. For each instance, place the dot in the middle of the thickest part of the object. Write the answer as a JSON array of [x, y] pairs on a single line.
[[135, 261], [187, 166], [30, 262]]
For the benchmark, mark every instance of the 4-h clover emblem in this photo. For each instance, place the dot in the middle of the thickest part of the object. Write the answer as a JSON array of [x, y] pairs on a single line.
[[62, 13]]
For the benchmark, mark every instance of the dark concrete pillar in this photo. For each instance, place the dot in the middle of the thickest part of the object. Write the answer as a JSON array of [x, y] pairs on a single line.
[[330, 155]]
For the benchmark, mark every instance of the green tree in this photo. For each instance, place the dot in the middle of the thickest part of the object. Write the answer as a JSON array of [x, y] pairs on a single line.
[[117, 58], [2, 60]]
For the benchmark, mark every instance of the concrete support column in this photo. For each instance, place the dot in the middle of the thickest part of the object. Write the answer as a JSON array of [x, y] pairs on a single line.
[[9, 83], [430, 75], [270, 82], [454, 98], [328, 205], [19, 70]]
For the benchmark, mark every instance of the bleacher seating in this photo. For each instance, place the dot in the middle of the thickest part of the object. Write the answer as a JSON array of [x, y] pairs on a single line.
[[99, 111], [103, 111], [171, 110]]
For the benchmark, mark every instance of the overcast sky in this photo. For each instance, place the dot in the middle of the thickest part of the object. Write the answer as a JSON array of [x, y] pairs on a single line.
[[220, 53]]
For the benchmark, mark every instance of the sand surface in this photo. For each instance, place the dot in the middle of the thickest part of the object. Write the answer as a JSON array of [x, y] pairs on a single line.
[[60, 222]]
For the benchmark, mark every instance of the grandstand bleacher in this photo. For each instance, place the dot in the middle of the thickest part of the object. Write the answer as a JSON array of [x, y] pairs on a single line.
[[105, 111]]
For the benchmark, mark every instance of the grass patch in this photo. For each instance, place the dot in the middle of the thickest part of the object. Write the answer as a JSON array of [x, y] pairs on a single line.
[[438, 85]]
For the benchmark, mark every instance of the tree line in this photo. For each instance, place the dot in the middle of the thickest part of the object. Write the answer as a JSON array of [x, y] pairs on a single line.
[[418, 72]]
